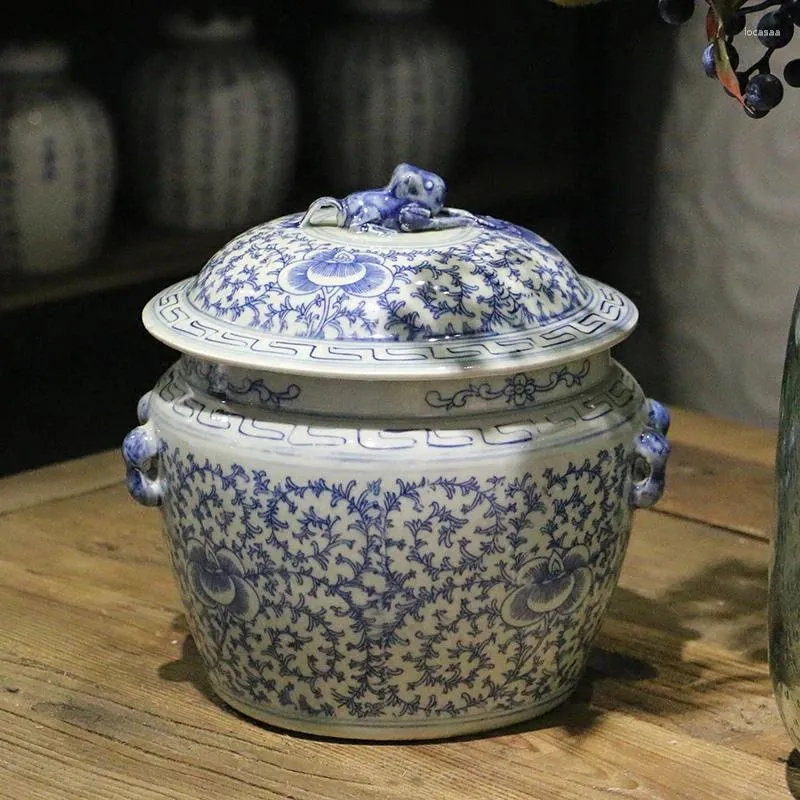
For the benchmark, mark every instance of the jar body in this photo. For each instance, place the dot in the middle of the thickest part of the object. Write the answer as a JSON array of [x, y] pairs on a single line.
[[390, 88], [213, 128], [784, 598], [57, 174], [374, 577]]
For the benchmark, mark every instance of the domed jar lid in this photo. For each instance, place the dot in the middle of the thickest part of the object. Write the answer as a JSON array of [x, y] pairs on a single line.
[[390, 284]]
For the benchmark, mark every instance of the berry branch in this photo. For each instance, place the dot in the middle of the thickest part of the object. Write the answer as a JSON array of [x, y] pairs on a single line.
[[755, 88]]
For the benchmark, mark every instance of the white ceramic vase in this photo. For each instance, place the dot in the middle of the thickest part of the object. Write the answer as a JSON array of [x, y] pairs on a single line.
[[57, 164], [396, 464], [391, 86], [213, 128]]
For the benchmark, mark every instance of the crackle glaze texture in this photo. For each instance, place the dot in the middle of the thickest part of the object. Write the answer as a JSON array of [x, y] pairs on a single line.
[[463, 292], [323, 579], [428, 595], [378, 579], [725, 240]]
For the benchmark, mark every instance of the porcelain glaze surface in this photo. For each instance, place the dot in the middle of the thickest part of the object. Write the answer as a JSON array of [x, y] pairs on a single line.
[[449, 397], [387, 559], [418, 599]]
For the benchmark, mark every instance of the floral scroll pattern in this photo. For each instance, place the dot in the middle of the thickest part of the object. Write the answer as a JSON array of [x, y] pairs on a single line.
[[518, 390], [498, 278], [417, 599], [216, 380]]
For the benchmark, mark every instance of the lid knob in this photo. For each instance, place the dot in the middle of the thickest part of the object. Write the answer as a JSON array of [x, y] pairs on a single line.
[[413, 200]]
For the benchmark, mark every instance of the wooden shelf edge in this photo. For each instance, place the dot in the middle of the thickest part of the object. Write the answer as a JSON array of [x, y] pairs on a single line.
[[139, 260]]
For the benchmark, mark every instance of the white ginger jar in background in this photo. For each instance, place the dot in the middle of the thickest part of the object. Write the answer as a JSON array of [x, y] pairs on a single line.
[[57, 163]]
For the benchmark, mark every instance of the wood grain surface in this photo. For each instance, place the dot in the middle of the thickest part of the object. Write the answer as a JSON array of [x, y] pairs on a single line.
[[721, 473], [102, 694]]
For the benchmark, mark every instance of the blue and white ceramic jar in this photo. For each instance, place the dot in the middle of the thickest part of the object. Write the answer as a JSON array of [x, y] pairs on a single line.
[[396, 465], [213, 127], [391, 85], [57, 163]]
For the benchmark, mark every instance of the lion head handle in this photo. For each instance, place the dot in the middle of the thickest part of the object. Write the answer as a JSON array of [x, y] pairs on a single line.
[[413, 200]]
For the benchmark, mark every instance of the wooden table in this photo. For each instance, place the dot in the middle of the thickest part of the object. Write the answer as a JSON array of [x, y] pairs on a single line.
[[102, 694]]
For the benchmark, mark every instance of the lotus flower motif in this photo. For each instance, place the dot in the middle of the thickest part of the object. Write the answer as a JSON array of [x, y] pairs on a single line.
[[361, 274], [217, 578], [555, 585]]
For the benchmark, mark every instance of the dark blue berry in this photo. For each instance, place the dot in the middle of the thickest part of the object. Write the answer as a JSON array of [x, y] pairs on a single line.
[[762, 93], [676, 12], [775, 29], [710, 62], [735, 23], [791, 72], [794, 12]]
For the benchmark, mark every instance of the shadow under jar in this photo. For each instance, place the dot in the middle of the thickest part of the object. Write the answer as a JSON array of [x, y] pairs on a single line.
[[396, 464]]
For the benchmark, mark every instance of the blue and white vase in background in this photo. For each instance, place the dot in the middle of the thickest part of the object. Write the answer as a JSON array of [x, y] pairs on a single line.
[[391, 86], [213, 127], [396, 463], [57, 163]]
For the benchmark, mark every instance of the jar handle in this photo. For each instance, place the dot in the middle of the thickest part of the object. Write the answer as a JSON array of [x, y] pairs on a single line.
[[140, 450], [651, 451], [325, 211]]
